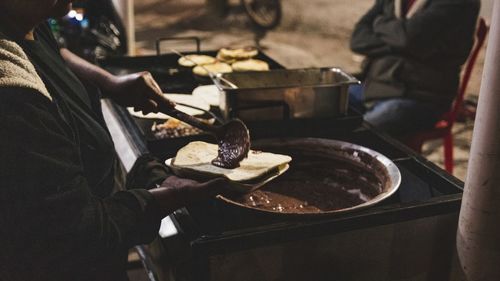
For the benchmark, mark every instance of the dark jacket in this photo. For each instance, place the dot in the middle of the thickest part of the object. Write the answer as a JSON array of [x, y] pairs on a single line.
[[59, 217], [419, 57]]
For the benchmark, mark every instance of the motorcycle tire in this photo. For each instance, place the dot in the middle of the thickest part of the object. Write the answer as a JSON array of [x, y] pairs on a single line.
[[264, 14]]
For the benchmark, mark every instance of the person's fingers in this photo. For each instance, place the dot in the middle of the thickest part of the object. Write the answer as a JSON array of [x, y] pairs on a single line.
[[150, 83], [215, 182], [213, 187], [193, 191], [155, 92], [170, 181], [149, 106]]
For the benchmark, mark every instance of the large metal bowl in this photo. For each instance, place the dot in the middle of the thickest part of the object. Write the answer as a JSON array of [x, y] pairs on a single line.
[[304, 154]]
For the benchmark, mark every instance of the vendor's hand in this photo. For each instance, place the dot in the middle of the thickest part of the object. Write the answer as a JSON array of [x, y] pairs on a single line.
[[193, 191], [177, 192], [139, 90]]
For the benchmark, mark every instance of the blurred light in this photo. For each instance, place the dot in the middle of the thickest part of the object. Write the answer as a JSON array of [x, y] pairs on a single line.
[[84, 23], [79, 17], [72, 14]]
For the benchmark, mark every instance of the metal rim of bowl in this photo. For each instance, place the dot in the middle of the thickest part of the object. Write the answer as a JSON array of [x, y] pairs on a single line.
[[393, 173]]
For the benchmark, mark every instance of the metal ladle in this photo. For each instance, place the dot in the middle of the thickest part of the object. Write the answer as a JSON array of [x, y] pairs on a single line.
[[232, 137]]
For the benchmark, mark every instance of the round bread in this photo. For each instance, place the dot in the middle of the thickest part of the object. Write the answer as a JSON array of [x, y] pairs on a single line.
[[196, 157], [218, 67], [250, 65], [237, 53], [226, 60], [192, 60]]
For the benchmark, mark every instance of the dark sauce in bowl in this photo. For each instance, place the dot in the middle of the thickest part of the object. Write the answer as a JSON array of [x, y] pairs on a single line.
[[316, 184]]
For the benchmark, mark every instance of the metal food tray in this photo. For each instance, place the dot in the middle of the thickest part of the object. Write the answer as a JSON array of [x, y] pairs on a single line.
[[285, 93]]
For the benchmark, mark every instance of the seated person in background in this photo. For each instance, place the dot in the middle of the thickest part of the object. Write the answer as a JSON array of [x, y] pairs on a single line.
[[61, 217], [414, 50]]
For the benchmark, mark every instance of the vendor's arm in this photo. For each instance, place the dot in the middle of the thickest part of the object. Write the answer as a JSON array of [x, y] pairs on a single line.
[[44, 192], [139, 90], [364, 40], [438, 27]]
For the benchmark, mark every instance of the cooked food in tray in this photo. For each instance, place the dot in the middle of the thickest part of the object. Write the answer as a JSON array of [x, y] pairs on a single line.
[[193, 60], [250, 65], [173, 128], [218, 67], [194, 160]]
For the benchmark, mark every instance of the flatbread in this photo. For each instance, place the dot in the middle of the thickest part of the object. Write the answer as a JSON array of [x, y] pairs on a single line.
[[237, 53], [197, 156], [236, 186], [226, 60], [208, 93], [196, 60], [218, 67], [250, 65]]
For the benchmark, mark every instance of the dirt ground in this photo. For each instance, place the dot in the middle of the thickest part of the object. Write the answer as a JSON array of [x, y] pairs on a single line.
[[312, 33]]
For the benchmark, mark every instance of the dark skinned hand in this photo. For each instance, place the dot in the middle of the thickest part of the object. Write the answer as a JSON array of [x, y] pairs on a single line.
[[140, 91], [176, 192]]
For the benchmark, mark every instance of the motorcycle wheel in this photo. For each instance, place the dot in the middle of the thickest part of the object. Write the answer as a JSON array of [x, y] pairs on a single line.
[[265, 14]]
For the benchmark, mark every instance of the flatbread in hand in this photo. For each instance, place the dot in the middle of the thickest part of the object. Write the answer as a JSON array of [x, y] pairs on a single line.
[[197, 157]]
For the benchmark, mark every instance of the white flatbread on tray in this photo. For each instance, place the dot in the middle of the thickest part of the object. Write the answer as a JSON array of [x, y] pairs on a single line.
[[195, 159], [208, 93], [180, 98]]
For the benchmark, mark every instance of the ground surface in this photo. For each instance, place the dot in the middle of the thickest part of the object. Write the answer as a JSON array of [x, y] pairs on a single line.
[[313, 33]]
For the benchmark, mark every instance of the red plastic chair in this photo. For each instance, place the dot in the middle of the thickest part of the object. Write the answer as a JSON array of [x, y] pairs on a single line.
[[443, 127]]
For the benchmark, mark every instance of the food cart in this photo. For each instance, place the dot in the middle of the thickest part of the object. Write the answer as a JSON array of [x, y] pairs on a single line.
[[408, 236]]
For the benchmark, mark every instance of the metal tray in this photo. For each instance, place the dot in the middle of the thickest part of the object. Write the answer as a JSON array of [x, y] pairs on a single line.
[[285, 93]]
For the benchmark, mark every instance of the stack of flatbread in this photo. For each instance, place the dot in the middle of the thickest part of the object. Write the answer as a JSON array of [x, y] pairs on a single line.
[[194, 161], [242, 59], [227, 60]]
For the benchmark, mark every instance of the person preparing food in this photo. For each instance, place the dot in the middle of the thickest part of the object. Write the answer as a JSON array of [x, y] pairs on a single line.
[[61, 216]]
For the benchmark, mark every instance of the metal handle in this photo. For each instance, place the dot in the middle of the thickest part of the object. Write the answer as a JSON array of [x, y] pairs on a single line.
[[213, 115], [189, 38], [186, 118], [217, 78], [147, 263]]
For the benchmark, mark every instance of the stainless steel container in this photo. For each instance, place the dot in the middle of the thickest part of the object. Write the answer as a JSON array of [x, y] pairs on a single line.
[[284, 93]]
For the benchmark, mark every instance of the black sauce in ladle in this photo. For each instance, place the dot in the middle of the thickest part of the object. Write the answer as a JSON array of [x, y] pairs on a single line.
[[232, 137], [234, 143]]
